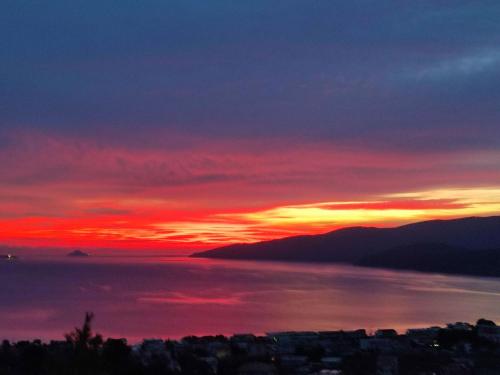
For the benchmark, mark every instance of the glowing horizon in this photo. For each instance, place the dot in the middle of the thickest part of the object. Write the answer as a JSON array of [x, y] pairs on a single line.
[[211, 229], [66, 192], [165, 125]]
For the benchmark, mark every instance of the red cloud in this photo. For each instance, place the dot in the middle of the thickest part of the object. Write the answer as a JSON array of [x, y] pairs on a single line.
[[77, 192]]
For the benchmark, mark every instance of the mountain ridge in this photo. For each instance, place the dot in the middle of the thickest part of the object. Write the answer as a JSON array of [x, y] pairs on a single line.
[[353, 244]]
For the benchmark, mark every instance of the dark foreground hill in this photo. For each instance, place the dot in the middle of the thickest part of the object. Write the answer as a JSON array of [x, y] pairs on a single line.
[[431, 244]]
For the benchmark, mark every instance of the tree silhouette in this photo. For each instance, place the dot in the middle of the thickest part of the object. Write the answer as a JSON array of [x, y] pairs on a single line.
[[86, 345], [83, 338]]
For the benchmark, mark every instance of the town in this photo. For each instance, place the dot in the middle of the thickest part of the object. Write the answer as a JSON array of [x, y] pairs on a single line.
[[456, 349]]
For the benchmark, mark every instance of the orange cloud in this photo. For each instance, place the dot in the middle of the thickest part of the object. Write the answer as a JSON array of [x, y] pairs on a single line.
[[59, 191], [170, 230]]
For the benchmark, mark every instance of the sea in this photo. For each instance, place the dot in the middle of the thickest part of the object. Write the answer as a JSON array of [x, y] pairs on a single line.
[[139, 297]]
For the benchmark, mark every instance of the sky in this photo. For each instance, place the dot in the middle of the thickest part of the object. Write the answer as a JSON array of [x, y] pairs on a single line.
[[188, 124]]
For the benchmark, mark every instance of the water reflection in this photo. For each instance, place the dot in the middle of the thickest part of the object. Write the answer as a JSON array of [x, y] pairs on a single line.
[[138, 297]]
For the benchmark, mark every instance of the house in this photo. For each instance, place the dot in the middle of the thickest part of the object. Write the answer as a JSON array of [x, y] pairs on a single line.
[[257, 368], [242, 341], [212, 363], [219, 349], [386, 333], [378, 344], [387, 365], [294, 361], [460, 326], [489, 332], [423, 336], [154, 351], [331, 362]]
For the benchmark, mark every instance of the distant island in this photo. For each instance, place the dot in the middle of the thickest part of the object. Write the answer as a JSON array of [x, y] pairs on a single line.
[[469, 246], [78, 253]]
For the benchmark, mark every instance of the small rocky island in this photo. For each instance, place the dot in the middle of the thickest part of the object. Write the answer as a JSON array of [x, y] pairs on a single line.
[[78, 253]]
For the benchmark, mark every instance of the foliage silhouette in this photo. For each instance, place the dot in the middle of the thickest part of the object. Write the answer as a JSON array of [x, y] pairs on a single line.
[[83, 338]]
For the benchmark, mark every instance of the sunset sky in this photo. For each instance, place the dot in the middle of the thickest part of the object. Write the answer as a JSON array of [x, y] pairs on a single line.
[[191, 124]]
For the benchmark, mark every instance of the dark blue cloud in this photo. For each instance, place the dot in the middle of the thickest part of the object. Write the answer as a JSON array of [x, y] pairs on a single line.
[[385, 72]]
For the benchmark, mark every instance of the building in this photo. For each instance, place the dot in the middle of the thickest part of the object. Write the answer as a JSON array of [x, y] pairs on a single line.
[[257, 368]]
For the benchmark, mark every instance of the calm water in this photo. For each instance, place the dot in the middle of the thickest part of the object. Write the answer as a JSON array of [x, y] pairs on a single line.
[[172, 297]]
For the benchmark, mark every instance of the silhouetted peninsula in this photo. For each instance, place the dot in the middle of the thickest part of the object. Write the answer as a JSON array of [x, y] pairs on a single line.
[[439, 258], [465, 246]]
